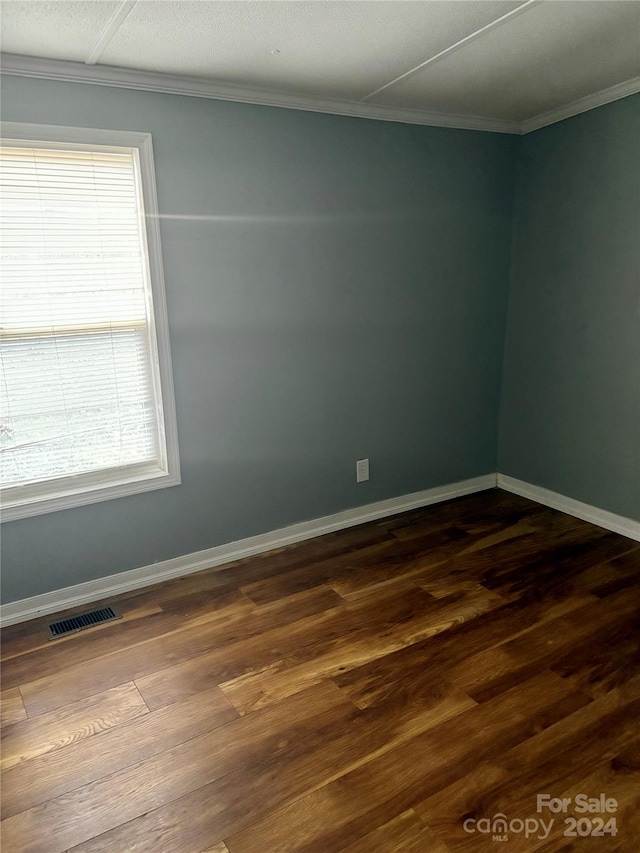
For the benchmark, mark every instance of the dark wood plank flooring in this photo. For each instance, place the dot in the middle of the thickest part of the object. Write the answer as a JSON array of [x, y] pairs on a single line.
[[367, 691]]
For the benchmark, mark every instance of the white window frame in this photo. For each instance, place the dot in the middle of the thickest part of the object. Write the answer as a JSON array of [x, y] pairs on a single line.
[[23, 501]]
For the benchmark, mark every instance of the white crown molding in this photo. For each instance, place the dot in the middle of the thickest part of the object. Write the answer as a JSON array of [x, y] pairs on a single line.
[[583, 105], [196, 87], [600, 517], [84, 593], [151, 81]]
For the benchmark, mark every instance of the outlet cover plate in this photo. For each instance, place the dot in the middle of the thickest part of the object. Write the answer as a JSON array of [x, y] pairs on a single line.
[[362, 470]]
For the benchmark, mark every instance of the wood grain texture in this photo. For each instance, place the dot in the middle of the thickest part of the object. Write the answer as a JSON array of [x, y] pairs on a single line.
[[48, 776], [347, 807], [12, 708], [404, 834], [368, 690], [70, 724]]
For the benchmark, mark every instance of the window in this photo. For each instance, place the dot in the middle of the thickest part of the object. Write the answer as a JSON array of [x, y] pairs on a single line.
[[86, 396]]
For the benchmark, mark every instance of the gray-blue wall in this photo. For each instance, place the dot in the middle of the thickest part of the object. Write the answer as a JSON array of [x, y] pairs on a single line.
[[570, 416], [347, 299]]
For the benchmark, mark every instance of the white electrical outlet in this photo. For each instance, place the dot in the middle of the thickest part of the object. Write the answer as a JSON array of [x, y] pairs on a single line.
[[362, 470]]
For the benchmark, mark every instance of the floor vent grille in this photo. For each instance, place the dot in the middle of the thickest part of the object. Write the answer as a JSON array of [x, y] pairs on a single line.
[[83, 620]]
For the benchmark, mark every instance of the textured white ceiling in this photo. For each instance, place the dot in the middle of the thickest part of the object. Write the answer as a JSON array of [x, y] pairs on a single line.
[[57, 30], [517, 60]]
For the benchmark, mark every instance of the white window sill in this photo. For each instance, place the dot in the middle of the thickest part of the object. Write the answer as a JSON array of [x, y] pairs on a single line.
[[24, 505]]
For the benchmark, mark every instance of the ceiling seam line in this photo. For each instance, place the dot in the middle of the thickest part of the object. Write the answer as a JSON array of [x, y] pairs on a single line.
[[111, 28], [453, 47]]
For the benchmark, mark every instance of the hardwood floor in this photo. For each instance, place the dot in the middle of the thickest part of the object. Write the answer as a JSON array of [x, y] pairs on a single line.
[[369, 691]]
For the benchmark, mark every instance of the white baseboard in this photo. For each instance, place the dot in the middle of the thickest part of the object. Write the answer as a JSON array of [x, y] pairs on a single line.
[[83, 593], [601, 517], [220, 555]]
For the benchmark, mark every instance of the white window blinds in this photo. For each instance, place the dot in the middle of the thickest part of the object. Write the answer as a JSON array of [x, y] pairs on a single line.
[[78, 393]]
